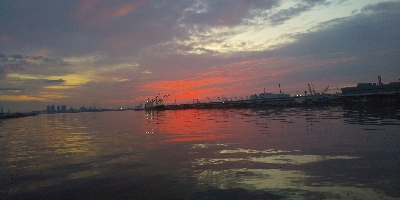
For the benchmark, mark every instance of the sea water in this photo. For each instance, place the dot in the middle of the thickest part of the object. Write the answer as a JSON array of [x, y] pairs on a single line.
[[330, 152]]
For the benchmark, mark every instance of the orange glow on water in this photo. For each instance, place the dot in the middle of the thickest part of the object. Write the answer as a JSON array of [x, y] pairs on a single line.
[[182, 126]]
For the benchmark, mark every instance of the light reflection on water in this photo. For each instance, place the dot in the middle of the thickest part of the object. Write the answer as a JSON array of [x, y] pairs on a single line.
[[339, 152]]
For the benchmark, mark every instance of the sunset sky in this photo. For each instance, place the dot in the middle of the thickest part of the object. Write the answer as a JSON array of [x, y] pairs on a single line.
[[119, 53]]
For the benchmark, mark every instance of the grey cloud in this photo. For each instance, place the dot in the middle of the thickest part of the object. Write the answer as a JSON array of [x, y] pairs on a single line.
[[10, 89], [359, 33], [150, 25], [5, 57], [206, 50], [15, 59], [55, 62], [372, 37], [9, 63], [58, 81], [55, 27], [225, 12], [383, 7], [17, 63], [286, 14], [35, 23]]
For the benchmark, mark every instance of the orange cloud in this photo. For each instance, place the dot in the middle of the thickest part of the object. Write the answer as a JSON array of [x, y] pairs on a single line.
[[21, 98], [88, 5], [124, 10], [207, 84], [236, 78], [98, 12], [247, 62], [43, 53], [52, 95], [184, 83], [4, 38]]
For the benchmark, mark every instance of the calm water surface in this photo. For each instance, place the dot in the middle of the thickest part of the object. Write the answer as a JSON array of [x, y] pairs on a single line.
[[342, 152]]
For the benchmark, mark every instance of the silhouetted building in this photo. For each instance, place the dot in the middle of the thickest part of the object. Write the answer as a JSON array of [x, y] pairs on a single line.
[[372, 88]]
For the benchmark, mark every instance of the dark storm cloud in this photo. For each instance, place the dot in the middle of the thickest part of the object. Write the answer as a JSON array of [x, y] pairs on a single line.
[[286, 14]]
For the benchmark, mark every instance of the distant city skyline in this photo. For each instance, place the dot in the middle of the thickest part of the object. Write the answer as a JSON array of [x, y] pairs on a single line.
[[120, 53]]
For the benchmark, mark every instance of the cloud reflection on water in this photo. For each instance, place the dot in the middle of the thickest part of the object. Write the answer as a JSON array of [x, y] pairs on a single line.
[[285, 182], [279, 172], [275, 159]]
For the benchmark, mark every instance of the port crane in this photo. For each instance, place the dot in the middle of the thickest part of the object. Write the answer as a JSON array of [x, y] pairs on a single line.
[[379, 80], [313, 91], [160, 101], [326, 89], [309, 89], [155, 99], [163, 98]]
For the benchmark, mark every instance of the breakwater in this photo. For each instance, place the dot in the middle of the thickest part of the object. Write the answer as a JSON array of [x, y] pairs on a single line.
[[16, 115], [389, 98]]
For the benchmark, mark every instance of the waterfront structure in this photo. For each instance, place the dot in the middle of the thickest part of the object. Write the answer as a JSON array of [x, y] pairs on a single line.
[[372, 93], [268, 96], [158, 103], [150, 105], [56, 109], [139, 107], [372, 89], [16, 115]]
